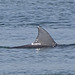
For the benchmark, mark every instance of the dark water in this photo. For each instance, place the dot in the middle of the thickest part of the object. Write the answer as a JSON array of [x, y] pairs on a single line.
[[18, 22]]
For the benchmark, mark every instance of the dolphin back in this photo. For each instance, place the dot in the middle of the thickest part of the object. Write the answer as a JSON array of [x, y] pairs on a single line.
[[43, 40]]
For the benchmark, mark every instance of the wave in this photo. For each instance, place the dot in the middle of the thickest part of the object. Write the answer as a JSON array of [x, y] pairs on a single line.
[[5, 47], [66, 45]]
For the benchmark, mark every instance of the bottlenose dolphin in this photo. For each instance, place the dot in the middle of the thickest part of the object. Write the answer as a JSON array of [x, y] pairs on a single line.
[[43, 40]]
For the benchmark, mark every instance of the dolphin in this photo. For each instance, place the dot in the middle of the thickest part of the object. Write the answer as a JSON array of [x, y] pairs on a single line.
[[43, 39]]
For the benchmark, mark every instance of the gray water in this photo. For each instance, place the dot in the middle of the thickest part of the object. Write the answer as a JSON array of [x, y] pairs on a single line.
[[18, 26]]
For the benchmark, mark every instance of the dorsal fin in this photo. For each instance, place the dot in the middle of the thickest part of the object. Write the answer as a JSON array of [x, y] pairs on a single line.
[[44, 38]]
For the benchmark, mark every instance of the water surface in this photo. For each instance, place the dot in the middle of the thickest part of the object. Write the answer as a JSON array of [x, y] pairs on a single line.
[[18, 26]]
